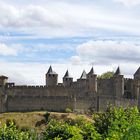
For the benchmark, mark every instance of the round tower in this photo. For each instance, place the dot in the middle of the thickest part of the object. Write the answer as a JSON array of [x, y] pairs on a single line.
[[82, 81], [137, 83], [118, 83], [51, 77], [3, 80], [92, 80], [67, 80]]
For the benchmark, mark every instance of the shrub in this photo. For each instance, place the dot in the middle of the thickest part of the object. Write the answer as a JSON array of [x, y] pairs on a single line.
[[133, 133], [39, 123], [9, 121], [116, 121], [10, 132], [123, 121], [106, 75], [61, 130], [68, 110], [80, 130], [89, 132], [47, 115]]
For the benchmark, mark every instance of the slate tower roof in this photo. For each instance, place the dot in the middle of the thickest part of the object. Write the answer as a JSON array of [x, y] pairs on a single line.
[[84, 75], [67, 75], [118, 72], [50, 71], [3, 77], [137, 72], [91, 71]]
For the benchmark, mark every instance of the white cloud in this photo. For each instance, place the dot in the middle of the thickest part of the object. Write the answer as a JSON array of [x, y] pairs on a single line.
[[28, 16], [65, 19], [129, 2], [12, 50], [108, 52], [51, 47], [34, 73], [75, 60]]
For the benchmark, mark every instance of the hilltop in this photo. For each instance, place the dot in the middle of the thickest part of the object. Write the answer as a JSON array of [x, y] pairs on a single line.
[[36, 120]]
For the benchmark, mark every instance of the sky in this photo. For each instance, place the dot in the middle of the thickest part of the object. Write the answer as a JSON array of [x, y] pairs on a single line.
[[68, 34]]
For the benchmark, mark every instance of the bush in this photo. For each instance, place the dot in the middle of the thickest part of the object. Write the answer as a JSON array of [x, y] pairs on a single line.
[[68, 110], [10, 132], [47, 115], [114, 123], [9, 121], [106, 75], [133, 133], [89, 132], [61, 130], [80, 130]]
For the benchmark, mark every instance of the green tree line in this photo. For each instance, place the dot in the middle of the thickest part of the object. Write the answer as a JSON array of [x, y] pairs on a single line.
[[114, 124]]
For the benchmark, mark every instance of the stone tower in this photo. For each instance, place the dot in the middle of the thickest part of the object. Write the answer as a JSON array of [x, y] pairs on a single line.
[[118, 83], [51, 77], [3, 80], [137, 74], [67, 80], [92, 80], [82, 81], [137, 83]]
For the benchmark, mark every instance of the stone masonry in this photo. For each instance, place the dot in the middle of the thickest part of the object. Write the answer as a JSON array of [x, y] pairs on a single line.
[[87, 93]]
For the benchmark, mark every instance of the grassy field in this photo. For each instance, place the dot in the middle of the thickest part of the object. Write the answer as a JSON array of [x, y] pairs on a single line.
[[36, 120]]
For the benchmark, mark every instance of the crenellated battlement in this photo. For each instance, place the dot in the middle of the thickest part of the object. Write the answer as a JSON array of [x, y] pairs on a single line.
[[26, 86], [85, 93], [128, 79]]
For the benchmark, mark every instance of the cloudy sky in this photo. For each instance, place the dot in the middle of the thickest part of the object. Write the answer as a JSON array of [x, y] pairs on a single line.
[[68, 34]]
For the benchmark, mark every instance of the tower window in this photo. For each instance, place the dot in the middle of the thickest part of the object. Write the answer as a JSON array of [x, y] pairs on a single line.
[[124, 87]]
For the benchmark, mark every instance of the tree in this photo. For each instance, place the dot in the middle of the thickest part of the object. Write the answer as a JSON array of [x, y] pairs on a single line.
[[59, 130], [11, 132], [133, 133], [107, 74], [114, 123]]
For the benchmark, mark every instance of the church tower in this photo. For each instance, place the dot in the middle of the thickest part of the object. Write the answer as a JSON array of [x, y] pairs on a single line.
[[118, 83], [67, 80], [92, 80], [51, 77]]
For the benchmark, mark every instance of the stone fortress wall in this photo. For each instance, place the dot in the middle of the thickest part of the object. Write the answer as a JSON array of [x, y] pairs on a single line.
[[87, 93]]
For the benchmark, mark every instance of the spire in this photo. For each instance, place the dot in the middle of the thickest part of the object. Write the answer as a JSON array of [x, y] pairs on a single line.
[[84, 75], [117, 72], [50, 71], [137, 72], [91, 71], [67, 75]]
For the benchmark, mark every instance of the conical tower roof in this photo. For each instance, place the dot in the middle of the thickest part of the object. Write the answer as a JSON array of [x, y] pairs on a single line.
[[50, 71], [91, 71], [118, 72], [84, 75], [137, 72], [3, 77], [67, 75]]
